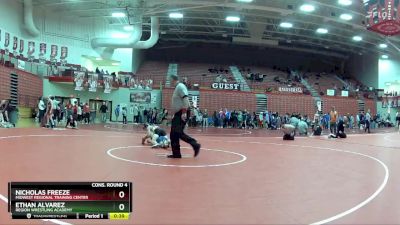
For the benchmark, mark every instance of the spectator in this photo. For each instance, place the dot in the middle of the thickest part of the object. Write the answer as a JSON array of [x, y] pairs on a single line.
[[103, 112], [42, 109], [124, 113]]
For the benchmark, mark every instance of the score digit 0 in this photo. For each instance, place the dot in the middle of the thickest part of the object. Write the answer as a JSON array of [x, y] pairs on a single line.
[[121, 194]]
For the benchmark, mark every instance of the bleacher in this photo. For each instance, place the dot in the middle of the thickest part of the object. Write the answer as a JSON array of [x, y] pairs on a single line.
[[324, 81], [155, 70], [198, 73], [272, 79]]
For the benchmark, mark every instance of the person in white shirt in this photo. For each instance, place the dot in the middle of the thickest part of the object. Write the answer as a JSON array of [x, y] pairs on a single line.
[[79, 112], [42, 109], [367, 121]]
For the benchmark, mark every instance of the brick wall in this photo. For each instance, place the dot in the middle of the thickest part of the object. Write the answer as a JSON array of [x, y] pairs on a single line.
[[30, 86], [290, 103], [342, 105], [4, 84], [281, 103], [215, 100], [370, 104], [166, 98]]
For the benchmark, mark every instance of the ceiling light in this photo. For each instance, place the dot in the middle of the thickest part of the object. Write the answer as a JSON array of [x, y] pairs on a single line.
[[383, 45], [357, 38], [307, 8], [128, 28], [245, 1], [345, 2], [286, 25], [322, 31], [118, 14], [115, 64], [346, 16], [385, 56], [176, 15], [388, 83], [98, 59], [233, 18]]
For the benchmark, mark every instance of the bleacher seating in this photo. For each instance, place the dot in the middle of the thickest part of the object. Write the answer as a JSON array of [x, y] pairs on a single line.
[[198, 73], [155, 70], [272, 79], [324, 81], [30, 86]]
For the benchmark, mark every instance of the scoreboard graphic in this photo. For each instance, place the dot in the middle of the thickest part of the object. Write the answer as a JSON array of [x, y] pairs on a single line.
[[70, 200]]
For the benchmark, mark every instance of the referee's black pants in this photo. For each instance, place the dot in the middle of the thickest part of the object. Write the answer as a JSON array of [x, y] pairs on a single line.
[[177, 132]]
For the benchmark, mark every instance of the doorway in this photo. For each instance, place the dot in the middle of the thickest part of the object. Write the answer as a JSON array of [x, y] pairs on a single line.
[[95, 105]]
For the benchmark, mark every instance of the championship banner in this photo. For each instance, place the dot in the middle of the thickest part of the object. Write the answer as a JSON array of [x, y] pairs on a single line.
[[54, 51], [31, 47], [15, 43], [79, 80], [92, 81], [64, 52], [7, 40], [141, 97], [107, 80], [21, 46], [43, 47]]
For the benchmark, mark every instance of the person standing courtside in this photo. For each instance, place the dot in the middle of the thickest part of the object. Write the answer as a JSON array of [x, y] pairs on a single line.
[[333, 119], [180, 105]]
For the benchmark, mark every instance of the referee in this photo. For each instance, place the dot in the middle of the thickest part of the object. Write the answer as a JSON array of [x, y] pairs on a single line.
[[180, 105]]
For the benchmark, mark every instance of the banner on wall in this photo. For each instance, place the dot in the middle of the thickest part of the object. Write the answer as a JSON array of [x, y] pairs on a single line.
[[21, 46], [141, 97], [107, 79], [43, 47], [7, 40], [15, 43], [319, 106], [291, 89], [64, 52], [31, 47], [79, 80], [330, 92], [225, 86], [54, 51], [92, 81], [21, 64], [345, 93]]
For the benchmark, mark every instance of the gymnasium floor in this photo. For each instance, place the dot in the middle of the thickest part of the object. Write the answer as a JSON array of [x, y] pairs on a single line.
[[239, 177]]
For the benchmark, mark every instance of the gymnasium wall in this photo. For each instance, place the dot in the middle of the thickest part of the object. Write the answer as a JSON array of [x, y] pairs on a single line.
[[342, 105], [385, 111], [75, 33], [290, 103], [117, 96], [389, 71], [216, 100], [281, 103], [30, 87]]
